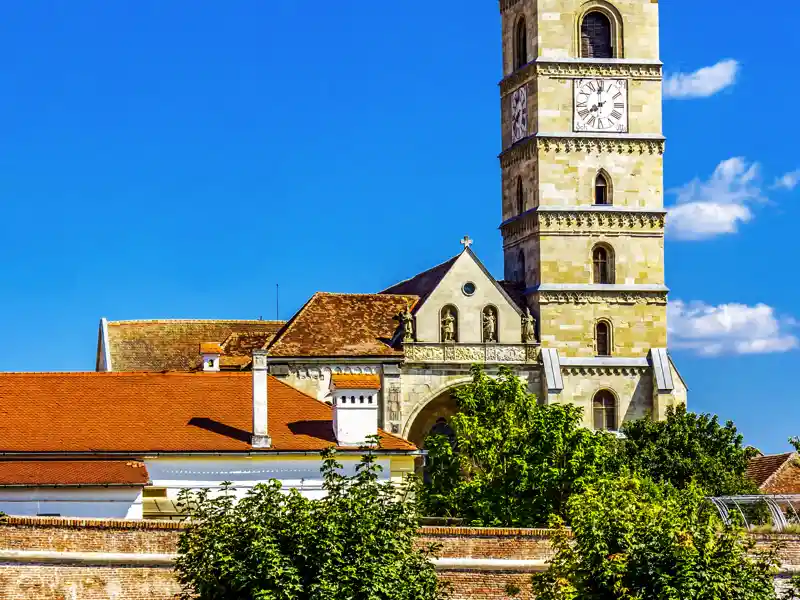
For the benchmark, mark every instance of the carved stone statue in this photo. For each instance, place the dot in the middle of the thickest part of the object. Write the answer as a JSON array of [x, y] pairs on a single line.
[[528, 327], [489, 326], [407, 321], [448, 326]]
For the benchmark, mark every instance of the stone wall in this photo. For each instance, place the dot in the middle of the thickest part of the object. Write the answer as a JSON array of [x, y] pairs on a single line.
[[45, 558]]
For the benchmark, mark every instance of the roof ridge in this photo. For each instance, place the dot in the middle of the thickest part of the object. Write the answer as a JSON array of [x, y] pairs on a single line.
[[421, 273], [290, 323], [378, 294], [151, 321]]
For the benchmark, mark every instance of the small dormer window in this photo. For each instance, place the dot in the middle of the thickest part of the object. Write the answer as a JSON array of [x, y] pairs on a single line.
[[210, 363]]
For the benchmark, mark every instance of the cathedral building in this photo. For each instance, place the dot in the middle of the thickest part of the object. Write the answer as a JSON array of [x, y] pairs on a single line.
[[580, 312]]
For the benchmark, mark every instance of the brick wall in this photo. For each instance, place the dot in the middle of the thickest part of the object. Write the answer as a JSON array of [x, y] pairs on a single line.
[[82, 580]]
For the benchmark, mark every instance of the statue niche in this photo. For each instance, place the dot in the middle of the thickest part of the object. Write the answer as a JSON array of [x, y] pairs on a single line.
[[489, 325], [449, 325]]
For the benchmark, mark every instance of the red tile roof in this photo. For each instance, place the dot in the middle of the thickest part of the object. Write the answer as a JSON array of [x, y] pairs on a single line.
[[138, 413], [776, 473], [210, 348], [423, 283], [172, 345], [72, 472], [343, 325], [356, 382]]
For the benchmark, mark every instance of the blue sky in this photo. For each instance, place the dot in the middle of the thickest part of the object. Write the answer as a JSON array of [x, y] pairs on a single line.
[[178, 159]]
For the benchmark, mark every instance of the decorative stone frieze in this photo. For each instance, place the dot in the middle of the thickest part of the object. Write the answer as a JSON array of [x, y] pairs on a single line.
[[601, 297], [573, 69], [471, 353], [583, 222], [528, 147], [319, 372], [595, 371]]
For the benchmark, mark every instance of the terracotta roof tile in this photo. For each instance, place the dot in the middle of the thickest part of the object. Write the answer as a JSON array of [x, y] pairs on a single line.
[[172, 345], [776, 473], [343, 325], [72, 472], [210, 348], [156, 412], [356, 382], [424, 283]]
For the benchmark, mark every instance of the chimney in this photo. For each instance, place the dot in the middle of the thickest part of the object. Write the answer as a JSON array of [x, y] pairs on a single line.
[[355, 408], [210, 351], [260, 438]]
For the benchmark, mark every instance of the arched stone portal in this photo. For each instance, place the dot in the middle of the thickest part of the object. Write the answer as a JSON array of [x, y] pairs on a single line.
[[429, 417]]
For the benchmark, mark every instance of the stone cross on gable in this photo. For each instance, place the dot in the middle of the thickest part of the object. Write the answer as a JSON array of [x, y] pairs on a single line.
[[466, 242]]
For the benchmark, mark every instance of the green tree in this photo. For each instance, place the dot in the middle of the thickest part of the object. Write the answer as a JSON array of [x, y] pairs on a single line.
[[689, 448], [357, 543], [517, 462], [637, 540], [795, 441]]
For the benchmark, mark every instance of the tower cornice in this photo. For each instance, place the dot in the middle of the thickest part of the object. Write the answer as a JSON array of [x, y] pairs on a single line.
[[584, 220], [620, 143], [570, 68]]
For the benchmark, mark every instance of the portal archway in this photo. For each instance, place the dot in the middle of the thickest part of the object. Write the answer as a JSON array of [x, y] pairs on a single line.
[[429, 418]]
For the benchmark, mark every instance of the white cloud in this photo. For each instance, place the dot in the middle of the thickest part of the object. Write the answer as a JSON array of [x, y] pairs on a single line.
[[703, 82], [718, 205], [787, 181], [729, 329]]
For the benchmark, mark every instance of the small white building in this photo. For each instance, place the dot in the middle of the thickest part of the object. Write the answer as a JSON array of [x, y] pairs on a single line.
[[123, 445]]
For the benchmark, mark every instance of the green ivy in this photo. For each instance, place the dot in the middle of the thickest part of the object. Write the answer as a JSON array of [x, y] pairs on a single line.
[[357, 543]]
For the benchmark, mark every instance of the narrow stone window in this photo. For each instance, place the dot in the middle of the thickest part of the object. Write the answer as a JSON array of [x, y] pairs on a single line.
[[605, 411], [603, 265], [520, 44], [521, 266], [596, 41], [520, 196], [601, 195], [603, 338]]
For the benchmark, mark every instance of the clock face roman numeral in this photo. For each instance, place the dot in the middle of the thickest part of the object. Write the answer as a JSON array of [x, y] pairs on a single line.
[[600, 105]]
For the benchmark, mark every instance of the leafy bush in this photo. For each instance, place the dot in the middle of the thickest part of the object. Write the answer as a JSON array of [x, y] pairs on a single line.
[[358, 542]]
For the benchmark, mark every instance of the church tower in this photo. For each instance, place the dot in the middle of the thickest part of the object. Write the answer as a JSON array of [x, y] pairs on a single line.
[[582, 173]]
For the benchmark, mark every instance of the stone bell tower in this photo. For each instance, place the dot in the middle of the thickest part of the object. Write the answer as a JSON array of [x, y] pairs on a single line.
[[582, 172]]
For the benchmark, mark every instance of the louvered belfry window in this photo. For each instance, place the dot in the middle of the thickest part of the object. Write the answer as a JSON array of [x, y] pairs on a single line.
[[602, 266], [596, 36]]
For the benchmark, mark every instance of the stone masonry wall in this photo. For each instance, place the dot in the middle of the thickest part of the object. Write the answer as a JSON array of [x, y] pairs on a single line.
[[83, 578]]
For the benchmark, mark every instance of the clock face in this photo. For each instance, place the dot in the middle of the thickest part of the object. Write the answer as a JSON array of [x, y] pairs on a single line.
[[601, 105], [519, 114]]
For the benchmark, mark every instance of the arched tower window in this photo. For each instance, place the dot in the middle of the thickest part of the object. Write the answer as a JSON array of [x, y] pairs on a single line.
[[602, 338], [521, 266], [596, 36], [449, 324], [520, 44], [605, 411], [603, 264], [520, 196], [602, 190]]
